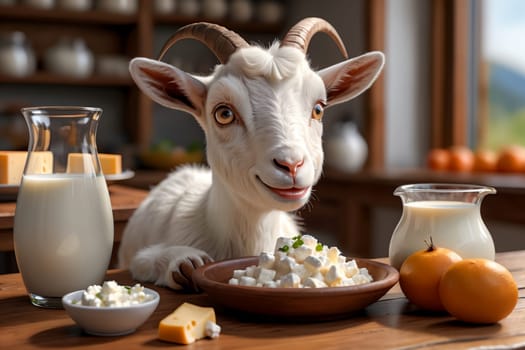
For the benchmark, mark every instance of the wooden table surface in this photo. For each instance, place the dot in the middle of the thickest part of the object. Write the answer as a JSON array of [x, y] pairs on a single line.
[[391, 323]]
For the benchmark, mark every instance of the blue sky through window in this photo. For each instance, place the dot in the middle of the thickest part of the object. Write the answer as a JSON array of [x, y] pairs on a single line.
[[504, 32]]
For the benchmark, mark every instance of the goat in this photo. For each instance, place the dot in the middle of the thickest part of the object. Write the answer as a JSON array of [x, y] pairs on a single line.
[[261, 111]]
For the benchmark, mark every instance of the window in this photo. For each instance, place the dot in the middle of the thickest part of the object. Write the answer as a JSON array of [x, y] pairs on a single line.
[[478, 73], [501, 79]]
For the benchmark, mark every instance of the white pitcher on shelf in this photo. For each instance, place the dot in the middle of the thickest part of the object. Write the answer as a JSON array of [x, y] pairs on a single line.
[[345, 148], [70, 57]]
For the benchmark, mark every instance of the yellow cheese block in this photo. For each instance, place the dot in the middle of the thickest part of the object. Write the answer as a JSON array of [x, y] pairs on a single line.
[[79, 163], [186, 324], [12, 165], [110, 163], [40, 163]]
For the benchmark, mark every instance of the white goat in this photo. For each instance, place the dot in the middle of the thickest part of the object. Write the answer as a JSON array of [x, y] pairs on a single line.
[[261, 113]]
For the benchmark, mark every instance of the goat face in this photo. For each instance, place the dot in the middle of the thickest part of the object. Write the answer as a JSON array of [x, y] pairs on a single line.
[[261, 110], [265, 134]]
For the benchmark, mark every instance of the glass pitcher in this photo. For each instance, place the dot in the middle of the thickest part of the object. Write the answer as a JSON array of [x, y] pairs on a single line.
[[63, 228], [449, 213]]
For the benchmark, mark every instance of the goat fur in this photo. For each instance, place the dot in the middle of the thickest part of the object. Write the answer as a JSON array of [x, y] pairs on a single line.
[[263, 164]]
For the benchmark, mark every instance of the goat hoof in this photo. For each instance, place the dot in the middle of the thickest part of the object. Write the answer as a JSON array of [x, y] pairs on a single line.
[[183, 276]]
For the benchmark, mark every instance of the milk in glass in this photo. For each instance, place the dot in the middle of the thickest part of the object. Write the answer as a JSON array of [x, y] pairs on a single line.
[[64, 222], [449, 214]]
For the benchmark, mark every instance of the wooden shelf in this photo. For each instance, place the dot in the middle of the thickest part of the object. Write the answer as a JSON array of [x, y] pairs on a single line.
[[97, 17], [53, 79], [246, 27], [28, 13], [105, 33]]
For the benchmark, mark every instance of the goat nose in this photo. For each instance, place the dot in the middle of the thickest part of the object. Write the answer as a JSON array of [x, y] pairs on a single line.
[[290, 167]]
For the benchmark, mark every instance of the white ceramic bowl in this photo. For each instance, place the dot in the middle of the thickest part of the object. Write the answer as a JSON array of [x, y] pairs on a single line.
[[109, 321]]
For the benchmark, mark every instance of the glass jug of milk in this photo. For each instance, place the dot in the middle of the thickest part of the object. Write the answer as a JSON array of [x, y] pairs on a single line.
[[449, 213], [63, 228]]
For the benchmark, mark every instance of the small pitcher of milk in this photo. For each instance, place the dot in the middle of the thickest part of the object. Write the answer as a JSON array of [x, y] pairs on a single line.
[[63, 228], [449, 213]]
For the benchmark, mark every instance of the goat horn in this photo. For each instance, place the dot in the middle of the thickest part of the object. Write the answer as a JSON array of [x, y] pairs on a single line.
[[220, 40], [301, 34]]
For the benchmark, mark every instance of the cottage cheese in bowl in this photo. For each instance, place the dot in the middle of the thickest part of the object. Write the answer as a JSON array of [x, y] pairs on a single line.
[[301, 262], [300, 278], [111, 294], [111, 309]]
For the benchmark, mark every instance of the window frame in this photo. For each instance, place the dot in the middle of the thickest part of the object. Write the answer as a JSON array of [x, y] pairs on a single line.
[[450, 107], [452, 22], [374, 128]]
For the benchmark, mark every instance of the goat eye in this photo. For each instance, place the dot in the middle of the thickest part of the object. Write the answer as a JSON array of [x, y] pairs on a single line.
[[318, 111], [224, 115]]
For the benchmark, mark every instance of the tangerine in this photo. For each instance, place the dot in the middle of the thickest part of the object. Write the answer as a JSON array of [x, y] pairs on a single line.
[[485, 161], [478, 291], [511, 159], [421, 272], [438, 159], [461, 159]]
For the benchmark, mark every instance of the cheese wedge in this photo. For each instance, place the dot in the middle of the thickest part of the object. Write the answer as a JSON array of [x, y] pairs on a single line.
[[110, 163], [79, 163], [186, 324], [12, 165], [41, 162]]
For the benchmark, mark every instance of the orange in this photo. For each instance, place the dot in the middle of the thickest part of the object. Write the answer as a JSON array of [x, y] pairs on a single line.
[[461, 159], [511, 159], [420, 274], [485, 161], [478, 291], [438, 159]]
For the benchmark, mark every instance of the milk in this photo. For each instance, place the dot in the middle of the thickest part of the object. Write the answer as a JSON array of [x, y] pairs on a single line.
[[452, 224], [63, 232]]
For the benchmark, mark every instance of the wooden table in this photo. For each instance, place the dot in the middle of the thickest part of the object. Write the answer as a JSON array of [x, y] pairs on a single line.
[[391, 323], [124, 201]]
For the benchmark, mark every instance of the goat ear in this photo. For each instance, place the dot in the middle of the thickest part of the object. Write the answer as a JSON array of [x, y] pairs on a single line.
[[168, 85], [348, 79]]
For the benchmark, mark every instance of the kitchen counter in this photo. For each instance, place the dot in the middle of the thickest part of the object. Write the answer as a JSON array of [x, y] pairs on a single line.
[[391, 323], [344, 204]]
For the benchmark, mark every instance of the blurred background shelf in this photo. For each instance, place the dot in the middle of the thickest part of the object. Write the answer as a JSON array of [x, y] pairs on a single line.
[[130, 119], [245, 27], [53, 79], [97, 17]]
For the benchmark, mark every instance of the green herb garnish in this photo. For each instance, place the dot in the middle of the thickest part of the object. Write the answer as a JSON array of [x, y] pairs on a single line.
[[284, 248], [99, 295], [319, 247], [299, 242]]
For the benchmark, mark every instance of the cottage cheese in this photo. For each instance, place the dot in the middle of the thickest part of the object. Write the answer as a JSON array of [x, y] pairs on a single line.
[[111, 294], [212, 329], [301, 262]]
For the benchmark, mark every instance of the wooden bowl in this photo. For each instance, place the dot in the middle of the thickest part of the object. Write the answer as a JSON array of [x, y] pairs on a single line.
[[293, 302]]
